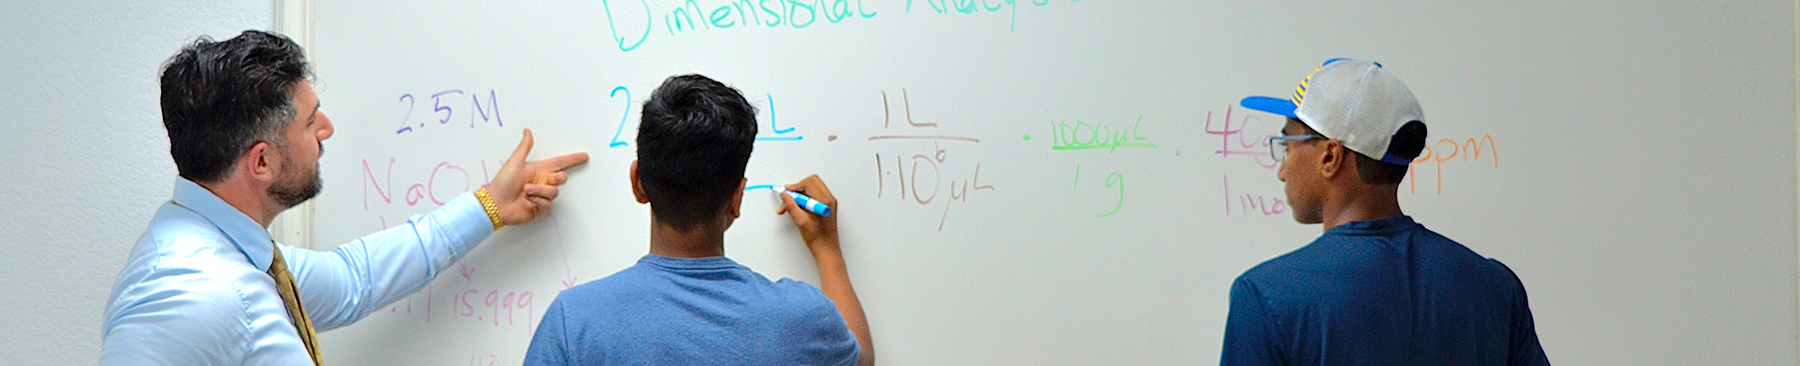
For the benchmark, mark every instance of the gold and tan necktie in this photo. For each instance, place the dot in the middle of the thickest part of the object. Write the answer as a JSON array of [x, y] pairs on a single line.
[[290, 294]]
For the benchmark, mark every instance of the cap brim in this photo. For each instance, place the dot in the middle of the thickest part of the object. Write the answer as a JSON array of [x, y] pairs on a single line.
[[1281, 106], [1390, 158]]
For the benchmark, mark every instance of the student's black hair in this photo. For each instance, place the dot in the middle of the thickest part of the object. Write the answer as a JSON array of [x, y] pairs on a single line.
[[693, 142], [220, 98], [1408, 143]]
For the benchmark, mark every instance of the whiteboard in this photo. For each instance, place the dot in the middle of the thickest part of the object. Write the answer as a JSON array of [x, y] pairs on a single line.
[[1071, 182]]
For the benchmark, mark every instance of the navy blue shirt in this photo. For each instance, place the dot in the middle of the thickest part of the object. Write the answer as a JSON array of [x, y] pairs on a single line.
[[692, 311], [1380, 292]]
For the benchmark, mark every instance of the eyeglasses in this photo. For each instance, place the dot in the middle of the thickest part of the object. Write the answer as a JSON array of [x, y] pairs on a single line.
[[1278, 145]]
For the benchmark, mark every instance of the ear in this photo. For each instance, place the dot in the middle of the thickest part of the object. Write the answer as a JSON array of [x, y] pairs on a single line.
[[637, 186], [259, 163], [1332, 159], [737, 198]]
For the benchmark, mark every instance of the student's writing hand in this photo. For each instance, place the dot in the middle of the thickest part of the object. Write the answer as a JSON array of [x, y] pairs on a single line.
[[821, 235], [819, 232], [523, 190]]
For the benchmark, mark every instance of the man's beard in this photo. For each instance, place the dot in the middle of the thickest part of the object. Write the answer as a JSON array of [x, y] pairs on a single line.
[[295, 184]]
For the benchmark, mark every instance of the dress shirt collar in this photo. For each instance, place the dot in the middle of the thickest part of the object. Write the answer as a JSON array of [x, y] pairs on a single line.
[[251, 238]]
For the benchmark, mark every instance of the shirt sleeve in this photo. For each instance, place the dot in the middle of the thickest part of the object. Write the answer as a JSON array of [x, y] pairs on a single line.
[[549, 346], [1249, 332], [184, 319], [1524, 349], [345, 284]]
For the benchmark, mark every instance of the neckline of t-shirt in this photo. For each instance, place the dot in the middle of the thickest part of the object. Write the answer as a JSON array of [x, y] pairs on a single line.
[[702, 263], [1377, 226]]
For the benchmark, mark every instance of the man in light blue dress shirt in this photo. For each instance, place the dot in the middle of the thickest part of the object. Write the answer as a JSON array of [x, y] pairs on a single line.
[[245, 130]]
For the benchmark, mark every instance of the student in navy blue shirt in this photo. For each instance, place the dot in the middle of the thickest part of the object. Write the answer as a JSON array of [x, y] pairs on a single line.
[[686, 303], [1377, 288]]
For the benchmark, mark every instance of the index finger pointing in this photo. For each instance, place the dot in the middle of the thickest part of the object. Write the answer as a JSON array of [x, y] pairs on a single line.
[[564, 161]]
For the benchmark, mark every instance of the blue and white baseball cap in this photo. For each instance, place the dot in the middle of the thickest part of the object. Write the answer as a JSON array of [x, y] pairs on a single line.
[[1353, 101]]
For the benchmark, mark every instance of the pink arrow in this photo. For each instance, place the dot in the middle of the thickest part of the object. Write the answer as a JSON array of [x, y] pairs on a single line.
[[464, 270], [569, 279]]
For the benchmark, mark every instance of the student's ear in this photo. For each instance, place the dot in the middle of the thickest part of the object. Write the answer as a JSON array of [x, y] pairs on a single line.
[[637, 185], [1331, 159], [737, 198]]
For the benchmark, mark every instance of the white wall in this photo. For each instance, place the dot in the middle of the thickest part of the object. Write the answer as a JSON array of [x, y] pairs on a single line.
[[84, 159]]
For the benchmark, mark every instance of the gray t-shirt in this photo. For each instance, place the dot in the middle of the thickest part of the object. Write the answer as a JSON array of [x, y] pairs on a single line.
[[692, 311]]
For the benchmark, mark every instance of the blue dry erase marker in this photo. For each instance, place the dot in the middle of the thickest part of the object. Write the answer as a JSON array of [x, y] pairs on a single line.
[[807, 202]]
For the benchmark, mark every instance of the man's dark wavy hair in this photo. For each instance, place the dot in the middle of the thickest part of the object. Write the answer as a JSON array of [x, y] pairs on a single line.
[[220, 98]]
